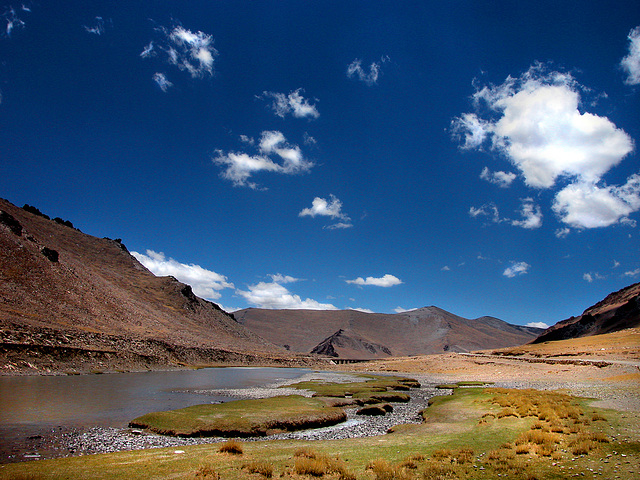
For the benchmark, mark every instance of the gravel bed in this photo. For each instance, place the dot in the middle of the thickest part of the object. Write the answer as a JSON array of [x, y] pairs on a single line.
[[109, 439]]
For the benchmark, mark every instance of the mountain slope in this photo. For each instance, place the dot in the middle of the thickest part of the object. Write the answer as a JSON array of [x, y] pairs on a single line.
[[352, 334], [62, 288], [618, 311]]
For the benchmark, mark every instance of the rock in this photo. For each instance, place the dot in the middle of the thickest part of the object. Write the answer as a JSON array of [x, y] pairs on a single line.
[[51, 254], [13, 224]]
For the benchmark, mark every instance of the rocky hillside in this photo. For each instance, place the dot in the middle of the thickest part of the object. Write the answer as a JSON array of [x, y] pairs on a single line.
[[67, 298], [350, 334], [618, 311]]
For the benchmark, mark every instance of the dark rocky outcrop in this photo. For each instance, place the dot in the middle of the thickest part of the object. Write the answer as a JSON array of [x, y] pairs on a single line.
[[13, 224], [618, 311]]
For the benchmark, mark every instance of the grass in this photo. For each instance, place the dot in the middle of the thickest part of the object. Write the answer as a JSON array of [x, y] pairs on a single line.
[[243, 418], [449, 444]]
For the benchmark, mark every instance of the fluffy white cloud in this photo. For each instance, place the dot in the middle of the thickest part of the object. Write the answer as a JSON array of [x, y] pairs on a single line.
[[273, 295], [327, 208], [531, 213], [535, 122], [241, 166], [186, 50], [585, 205], [537, 325], [631, 63], [205, 283], [279, 278], [590, 277], [384, 281], [502, 179], [487, 210], [161, 80], [293, 103], [516, 269], [355, 70]]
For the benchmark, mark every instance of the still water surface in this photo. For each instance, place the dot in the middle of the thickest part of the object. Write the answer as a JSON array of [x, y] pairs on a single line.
[[32, 405]]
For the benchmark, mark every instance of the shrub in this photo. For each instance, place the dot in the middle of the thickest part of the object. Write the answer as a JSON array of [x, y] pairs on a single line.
[[207, 472], [233, 447], [315, 467], [263, 468]]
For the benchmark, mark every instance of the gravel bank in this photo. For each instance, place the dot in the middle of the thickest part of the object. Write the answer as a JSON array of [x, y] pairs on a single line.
[[108, 439]]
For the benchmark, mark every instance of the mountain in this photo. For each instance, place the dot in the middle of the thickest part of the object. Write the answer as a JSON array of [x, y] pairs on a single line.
[[350, 334], [67, 298], [618, 311]]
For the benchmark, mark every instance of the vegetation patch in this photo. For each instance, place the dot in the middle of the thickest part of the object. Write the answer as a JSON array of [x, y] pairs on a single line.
[[374, 390], [243, 418]]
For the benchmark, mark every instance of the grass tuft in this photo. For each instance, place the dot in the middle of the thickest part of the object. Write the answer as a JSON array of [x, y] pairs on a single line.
[[207, 472], [233, 447], [263, 468]]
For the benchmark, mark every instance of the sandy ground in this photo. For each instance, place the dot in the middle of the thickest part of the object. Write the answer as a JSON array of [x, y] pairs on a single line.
[[615, 383]]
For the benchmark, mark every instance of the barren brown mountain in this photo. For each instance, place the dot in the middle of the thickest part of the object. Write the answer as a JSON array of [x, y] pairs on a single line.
[[618, 311], [70, 300], [350, 334]]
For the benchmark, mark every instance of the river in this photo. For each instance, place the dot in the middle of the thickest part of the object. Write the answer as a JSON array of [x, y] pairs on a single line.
[[32, 406]]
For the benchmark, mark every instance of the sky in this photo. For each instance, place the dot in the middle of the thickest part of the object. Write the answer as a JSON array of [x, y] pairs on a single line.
[[481, 157]]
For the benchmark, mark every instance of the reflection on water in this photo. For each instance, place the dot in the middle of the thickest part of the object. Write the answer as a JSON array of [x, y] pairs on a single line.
[[33, 405]]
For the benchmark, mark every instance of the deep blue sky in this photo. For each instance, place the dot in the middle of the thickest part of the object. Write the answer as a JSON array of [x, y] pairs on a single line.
[[477, 156]]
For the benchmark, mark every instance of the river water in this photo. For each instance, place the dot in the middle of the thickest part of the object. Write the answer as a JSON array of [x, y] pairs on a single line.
[[32, 406]]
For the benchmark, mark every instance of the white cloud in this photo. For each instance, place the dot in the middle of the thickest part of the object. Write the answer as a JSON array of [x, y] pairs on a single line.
[[293, 103], [585, 205], [184, 49], [162, 81], [12, 21], [531, 213], [273, 295], [241, 166], [399, 309], [487, 210], [563, 232], [535, 121], [384, 281], [279, 278], [543, 133], [322, 207], [632, 273], [502, 179], [516, 269], [369, 77], [328, 208], [473, 129], [631, 63], [363, 310], [99, 28], [537, 325], [446, 268], [205, 283], [591, 276]]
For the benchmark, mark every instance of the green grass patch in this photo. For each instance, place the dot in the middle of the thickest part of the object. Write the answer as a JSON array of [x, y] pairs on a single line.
[[451, 443], [243, 418]]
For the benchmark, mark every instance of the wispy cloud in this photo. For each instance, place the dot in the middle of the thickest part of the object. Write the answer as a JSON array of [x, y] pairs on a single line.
[[534, 120], [291, 104], [370, 76], [384, 281], [331, 208], [205, 283], [502, 179], [99, 27], [188, 51], [161, 80], [516, 269], [531, 215], [591, 276], [11, 19], [631, 63], [274, 154], [273, 295]]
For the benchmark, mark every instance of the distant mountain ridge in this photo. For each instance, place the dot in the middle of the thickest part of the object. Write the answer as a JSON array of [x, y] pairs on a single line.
[[618, 311], [70, 297], [351, 334]]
